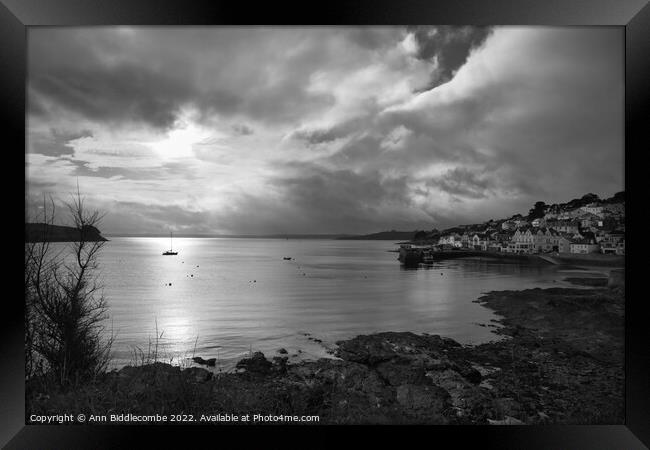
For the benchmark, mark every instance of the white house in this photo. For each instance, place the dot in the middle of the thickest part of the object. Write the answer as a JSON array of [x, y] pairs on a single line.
[[533, 240], [593, 208], [538, 222], [451, 239], [522, 241], [584, 246], [481, 241], [465, 240], [564, 226], [519, 223]]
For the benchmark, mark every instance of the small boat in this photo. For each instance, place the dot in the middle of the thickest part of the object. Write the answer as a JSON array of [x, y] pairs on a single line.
[[171, 249]]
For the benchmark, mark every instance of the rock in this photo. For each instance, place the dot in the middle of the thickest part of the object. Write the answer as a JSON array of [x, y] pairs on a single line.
[[280, 363], [256, 364], [128, 372], [380, 347], [466, 398], [406, 371], [343, 378], [303, 371], [484, 370], [158, 374], [280, 359], [196, 375], [418, 399], [506, 421], [205, 362], [486, 385], [468, 372], [508, 406], [282, 351]]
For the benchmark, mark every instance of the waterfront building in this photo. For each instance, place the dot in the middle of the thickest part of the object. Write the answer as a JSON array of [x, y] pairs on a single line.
[[543, 240], [612, 243], [584, 246], [562, 242]]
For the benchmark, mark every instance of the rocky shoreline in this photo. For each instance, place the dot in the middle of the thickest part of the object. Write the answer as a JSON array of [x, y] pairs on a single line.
[[560, 362]]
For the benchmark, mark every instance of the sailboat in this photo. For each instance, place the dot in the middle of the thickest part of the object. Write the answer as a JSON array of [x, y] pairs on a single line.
[[171, 249]]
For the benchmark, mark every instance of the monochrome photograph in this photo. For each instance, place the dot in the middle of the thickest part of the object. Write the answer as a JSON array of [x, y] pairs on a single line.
[[320, 225]]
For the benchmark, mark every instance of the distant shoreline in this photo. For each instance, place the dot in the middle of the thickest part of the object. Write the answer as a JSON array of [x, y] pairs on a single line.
[[40, 232]]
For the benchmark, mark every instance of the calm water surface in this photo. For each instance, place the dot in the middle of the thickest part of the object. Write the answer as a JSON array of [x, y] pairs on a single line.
[[230, 296]]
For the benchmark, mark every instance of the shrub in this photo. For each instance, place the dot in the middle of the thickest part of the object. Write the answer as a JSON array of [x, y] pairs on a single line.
[[65, 308]]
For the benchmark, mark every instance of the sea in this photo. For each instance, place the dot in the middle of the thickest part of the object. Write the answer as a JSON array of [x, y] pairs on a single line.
[[224, 298]]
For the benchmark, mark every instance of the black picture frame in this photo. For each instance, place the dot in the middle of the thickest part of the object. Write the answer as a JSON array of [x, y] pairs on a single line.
[[17, 15]]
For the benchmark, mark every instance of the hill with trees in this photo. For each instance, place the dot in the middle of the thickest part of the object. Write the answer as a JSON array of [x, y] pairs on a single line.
[[42, 232]]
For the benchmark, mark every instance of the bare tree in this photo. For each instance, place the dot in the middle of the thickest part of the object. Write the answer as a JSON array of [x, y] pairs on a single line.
[[65, 308], [39, 261]]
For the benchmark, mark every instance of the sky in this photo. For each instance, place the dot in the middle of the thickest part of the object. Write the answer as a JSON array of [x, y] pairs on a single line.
[[272, 130]]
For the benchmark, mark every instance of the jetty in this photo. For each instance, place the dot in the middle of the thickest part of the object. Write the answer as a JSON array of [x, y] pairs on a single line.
[[412, 256]]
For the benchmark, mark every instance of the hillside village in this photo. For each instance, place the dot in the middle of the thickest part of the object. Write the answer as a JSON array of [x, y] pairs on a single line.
[[585, 225]]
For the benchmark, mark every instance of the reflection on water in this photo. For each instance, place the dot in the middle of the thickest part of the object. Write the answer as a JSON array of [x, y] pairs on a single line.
[[228, 296]]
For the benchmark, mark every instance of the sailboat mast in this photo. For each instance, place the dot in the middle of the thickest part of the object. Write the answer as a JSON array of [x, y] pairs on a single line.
[[170, 241]]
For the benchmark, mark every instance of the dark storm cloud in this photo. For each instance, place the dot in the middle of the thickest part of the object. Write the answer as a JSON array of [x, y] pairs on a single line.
[[242, 130], [164, 172], [327, 188], [316, 136], [374, 37], [148, 76], [55, 142], [415, 151], [548, 119], [461, 182], [120, 94], [84, 170], [449, 45], [325, 200]]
